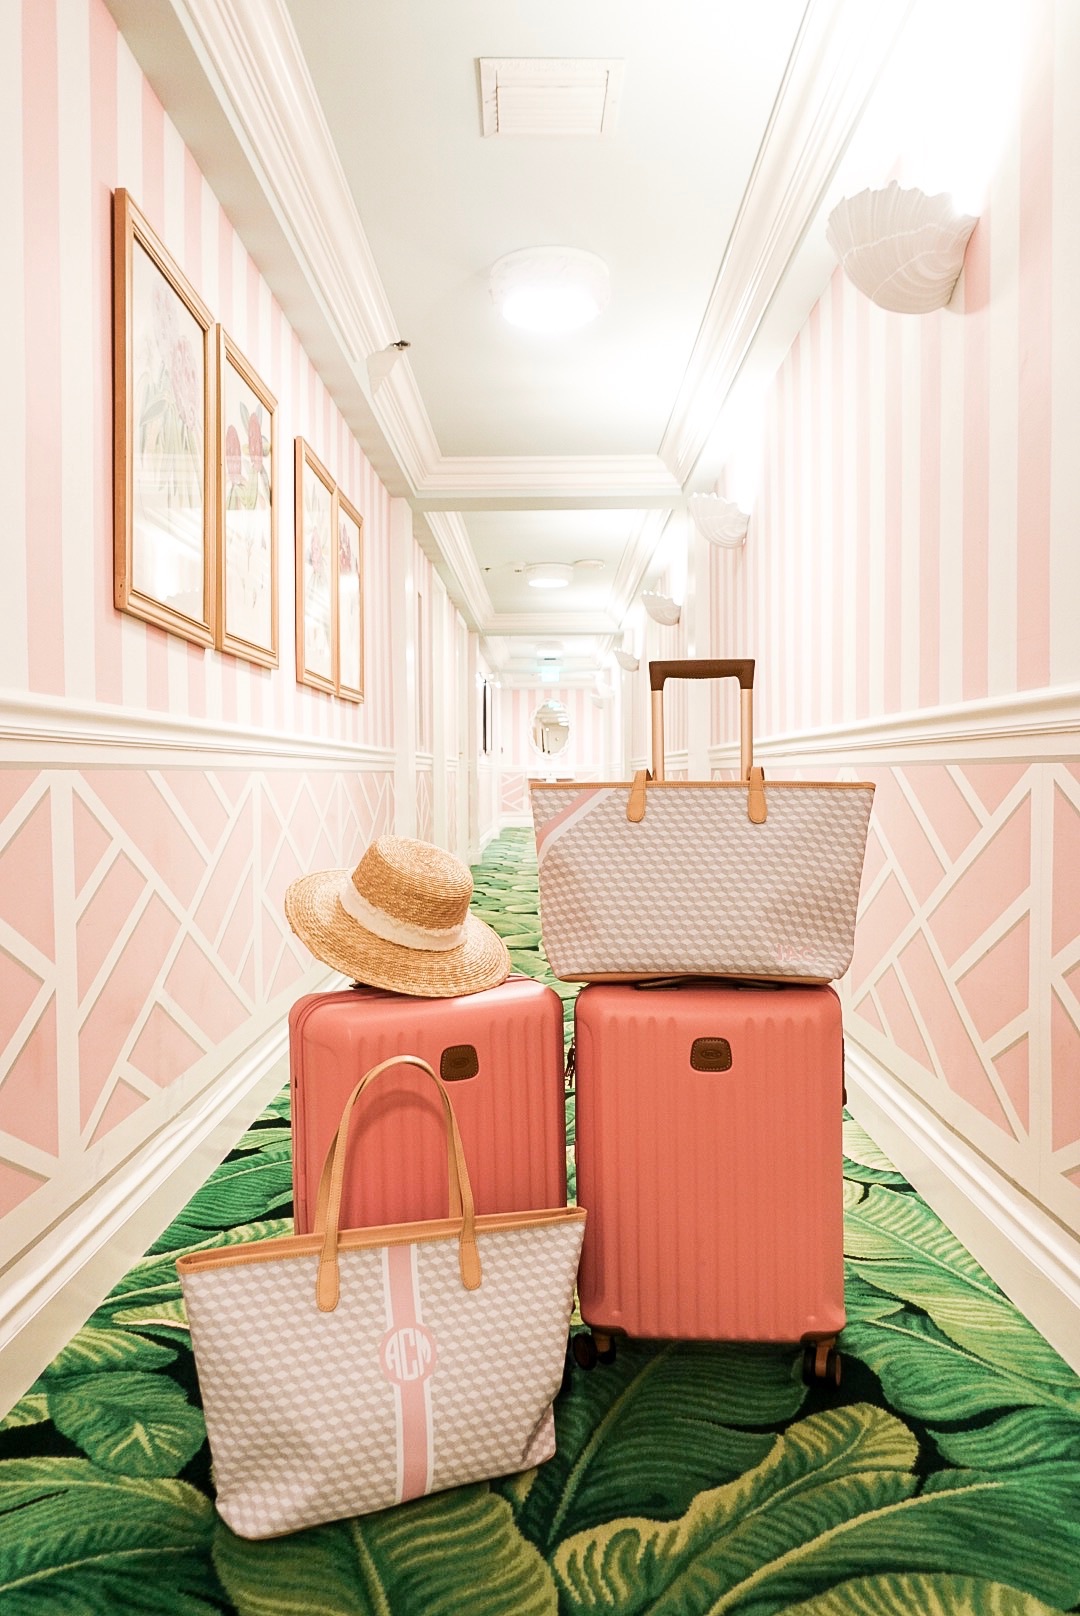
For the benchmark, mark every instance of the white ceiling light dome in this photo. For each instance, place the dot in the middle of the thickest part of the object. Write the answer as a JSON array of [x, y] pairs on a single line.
[[550, 289], [549, 574]]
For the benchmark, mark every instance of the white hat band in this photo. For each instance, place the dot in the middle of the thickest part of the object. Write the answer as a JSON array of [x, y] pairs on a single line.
[[377, 921]]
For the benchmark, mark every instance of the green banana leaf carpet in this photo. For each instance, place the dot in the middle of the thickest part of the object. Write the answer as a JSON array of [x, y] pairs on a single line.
[[943, 1476]]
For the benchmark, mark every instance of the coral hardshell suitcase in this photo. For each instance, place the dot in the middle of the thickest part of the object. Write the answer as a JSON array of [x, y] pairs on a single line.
[[709, 1156], [502, 1052]]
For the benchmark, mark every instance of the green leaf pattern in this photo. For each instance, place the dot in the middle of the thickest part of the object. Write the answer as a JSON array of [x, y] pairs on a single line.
[[943, 1479]]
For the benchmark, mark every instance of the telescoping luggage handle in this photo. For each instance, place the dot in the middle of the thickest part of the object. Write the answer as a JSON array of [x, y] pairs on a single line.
[[740, 668]]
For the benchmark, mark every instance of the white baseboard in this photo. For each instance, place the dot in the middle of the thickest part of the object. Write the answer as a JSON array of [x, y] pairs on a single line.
[[51, 1292], [1027, 1252], [515, 821]]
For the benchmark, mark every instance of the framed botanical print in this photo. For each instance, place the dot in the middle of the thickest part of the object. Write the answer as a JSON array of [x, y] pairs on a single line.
[[247, 604], [316, 571], [164, 404], [350, 596]]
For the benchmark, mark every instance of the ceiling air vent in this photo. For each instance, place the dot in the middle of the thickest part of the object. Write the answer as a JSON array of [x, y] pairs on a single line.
[[549, 95]]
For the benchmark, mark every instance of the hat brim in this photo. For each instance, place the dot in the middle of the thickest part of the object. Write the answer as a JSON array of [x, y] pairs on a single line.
[[333, 936]]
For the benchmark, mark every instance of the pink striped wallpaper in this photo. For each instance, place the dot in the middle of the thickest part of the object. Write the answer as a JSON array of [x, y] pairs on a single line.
[[90, 123], [143, 943], [588, 752], [659, 642], [912, 541], [913, 545]]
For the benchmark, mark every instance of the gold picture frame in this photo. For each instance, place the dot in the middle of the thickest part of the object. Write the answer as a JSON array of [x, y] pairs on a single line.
[[164, 435], [315, 503], [247, 503], [349, 664]]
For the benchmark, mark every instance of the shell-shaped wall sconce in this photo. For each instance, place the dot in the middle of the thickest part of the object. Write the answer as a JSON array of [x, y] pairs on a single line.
[[902, 248], [626, 660], [661, 608], [719, 520]]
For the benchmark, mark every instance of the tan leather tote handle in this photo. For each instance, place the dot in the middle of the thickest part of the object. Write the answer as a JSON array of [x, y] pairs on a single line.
[[740, 668], [331, 1183]]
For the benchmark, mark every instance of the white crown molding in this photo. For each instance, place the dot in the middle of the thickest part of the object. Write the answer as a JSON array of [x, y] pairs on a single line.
[[495, 650], [250, 51], [252, 59], [841, 48], [529, 679], [1034, 724], [547, 624], [1027, 1251], [44, 729], [635, 562], [401, 413], [537, 476], [443, 537]]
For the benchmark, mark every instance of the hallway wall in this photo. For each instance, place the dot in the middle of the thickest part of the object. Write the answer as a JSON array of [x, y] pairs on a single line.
[[913, 551], [155, 798], [588, 753]]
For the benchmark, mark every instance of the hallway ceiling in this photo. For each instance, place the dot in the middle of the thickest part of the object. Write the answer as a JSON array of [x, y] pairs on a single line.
[[347, 144]]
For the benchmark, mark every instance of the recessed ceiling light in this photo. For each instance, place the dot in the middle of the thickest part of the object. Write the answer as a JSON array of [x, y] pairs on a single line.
[[549, 289], [549, 574]]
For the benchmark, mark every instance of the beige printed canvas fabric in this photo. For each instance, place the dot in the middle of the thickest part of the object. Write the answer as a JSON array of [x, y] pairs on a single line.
[[411, 1385], [696, 888]]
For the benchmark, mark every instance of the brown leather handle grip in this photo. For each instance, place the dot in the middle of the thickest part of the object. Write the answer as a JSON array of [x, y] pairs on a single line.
[[740, 668]]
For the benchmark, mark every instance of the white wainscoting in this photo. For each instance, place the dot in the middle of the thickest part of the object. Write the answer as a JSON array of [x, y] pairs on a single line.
[[150, 970], [961, 1013], [1032, 1256]]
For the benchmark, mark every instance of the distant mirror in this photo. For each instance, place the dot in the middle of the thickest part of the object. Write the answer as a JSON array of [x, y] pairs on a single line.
[[551, 728]]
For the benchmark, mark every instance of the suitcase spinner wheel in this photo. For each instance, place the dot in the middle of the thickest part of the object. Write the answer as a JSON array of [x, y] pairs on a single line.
[[591, 1347], [822, 1364]]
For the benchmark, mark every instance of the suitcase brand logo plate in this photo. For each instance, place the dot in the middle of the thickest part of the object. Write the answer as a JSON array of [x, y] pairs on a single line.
[[459, 1061], [710, 1055]]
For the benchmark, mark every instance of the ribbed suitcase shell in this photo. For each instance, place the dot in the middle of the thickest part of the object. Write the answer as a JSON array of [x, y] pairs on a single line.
[[715, 1198], [511, 1114]]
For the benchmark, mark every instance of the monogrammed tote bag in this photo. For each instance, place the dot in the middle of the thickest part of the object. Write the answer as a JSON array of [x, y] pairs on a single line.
[[344, 1371]]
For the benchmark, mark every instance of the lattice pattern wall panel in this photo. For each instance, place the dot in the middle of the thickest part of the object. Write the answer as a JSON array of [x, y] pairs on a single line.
[[966, 974], [513, 793], [142, 928]]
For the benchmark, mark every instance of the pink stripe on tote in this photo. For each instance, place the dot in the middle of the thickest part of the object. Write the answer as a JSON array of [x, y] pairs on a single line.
[[407, 1358], [553, 829]]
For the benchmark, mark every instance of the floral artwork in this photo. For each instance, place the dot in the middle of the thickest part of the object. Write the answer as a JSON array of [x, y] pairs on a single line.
[[350, 600], [316, 503], [164, 531], [248, 594]]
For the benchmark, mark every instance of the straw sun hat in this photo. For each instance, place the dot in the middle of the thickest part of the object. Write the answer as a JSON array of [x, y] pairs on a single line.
[[401, 921]]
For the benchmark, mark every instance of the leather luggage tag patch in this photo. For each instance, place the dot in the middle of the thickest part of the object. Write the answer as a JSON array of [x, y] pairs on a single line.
[[710, 1055]]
